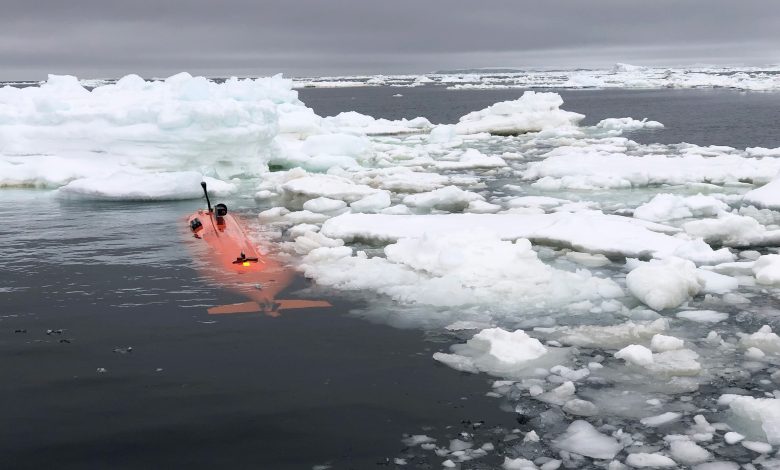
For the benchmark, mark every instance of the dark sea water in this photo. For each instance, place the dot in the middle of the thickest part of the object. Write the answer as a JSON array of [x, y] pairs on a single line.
[[245, 391], [316, 387]]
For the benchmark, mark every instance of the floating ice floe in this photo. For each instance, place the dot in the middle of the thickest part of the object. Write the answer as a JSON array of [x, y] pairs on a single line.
[[587, 231], [688, 452], [354, 122], [583, 439], [663, 284], [644, 459], [497, 352], [764, 339], [665, 207], [333, 187], [758, 418], [138, 186], [470, 159], [732, 230], [579, 167], [448, 198], [620, 125], [767, 269], [611, 336], [456, 269], [676, 362], [702, 316], [767, 195], [532, 112]]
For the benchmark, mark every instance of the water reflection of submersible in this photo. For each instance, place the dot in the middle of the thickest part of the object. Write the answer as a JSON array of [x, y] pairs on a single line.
[[233, 260]]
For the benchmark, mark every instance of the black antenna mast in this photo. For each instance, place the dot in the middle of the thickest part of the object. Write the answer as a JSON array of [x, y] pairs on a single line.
[[203, 185]]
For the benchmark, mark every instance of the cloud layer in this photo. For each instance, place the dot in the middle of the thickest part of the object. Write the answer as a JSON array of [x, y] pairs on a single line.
[[96, 38]]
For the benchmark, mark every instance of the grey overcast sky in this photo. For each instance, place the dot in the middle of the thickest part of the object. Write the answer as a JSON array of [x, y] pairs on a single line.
[[109, 38]]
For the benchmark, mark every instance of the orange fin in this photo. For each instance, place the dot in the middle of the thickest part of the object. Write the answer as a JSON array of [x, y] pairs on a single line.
[[244, 307], [291, 304]]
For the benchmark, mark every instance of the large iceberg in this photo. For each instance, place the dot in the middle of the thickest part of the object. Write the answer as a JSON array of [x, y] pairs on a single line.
[[182, 122]]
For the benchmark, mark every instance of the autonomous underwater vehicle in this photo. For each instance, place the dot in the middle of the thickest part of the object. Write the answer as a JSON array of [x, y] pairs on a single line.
[[230, 258]]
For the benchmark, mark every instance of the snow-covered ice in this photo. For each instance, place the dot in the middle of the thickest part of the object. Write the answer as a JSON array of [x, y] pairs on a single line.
[[495, 351], [582, 438], [532, 112]]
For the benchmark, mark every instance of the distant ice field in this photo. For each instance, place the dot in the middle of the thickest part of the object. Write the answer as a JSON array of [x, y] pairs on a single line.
[[698, 116]]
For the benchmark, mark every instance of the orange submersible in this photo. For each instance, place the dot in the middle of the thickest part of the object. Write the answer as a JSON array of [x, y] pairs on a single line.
[[231, 259]]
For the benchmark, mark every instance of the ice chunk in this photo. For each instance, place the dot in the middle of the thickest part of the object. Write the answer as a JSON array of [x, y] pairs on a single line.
[[732, 230], [582, 438], [372, 203], [721, 465], [662, 284], [532, 112], [661, 420], [559, 395], [733, 437], [758, 418], [661, 343], [760, 447], [714, 283], [591, 167], [469, 159], [580, 407], [613, 336], [703, 316], [643, 459], [767, 269], [138, 186], [178, 124], [333, 187], [701, 253], [301, 229], [324, 205], [482, 207], [417, 439], [497, 351], [587, 231], [449, 198], [518, 464], [678, 362], [551, 465], [356, 147], [474, 268], [754, 353], [766, 196], [311, 240], [636, 354], [764, 339], [457, 444], [688, 452], [357, 123], [627, 124], [664, 207]]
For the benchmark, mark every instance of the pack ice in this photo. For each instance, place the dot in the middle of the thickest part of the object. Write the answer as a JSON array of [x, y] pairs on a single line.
[[602, 281]]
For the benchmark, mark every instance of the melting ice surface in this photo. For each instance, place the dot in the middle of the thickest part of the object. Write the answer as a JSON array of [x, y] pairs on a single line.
[[620, 295]]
